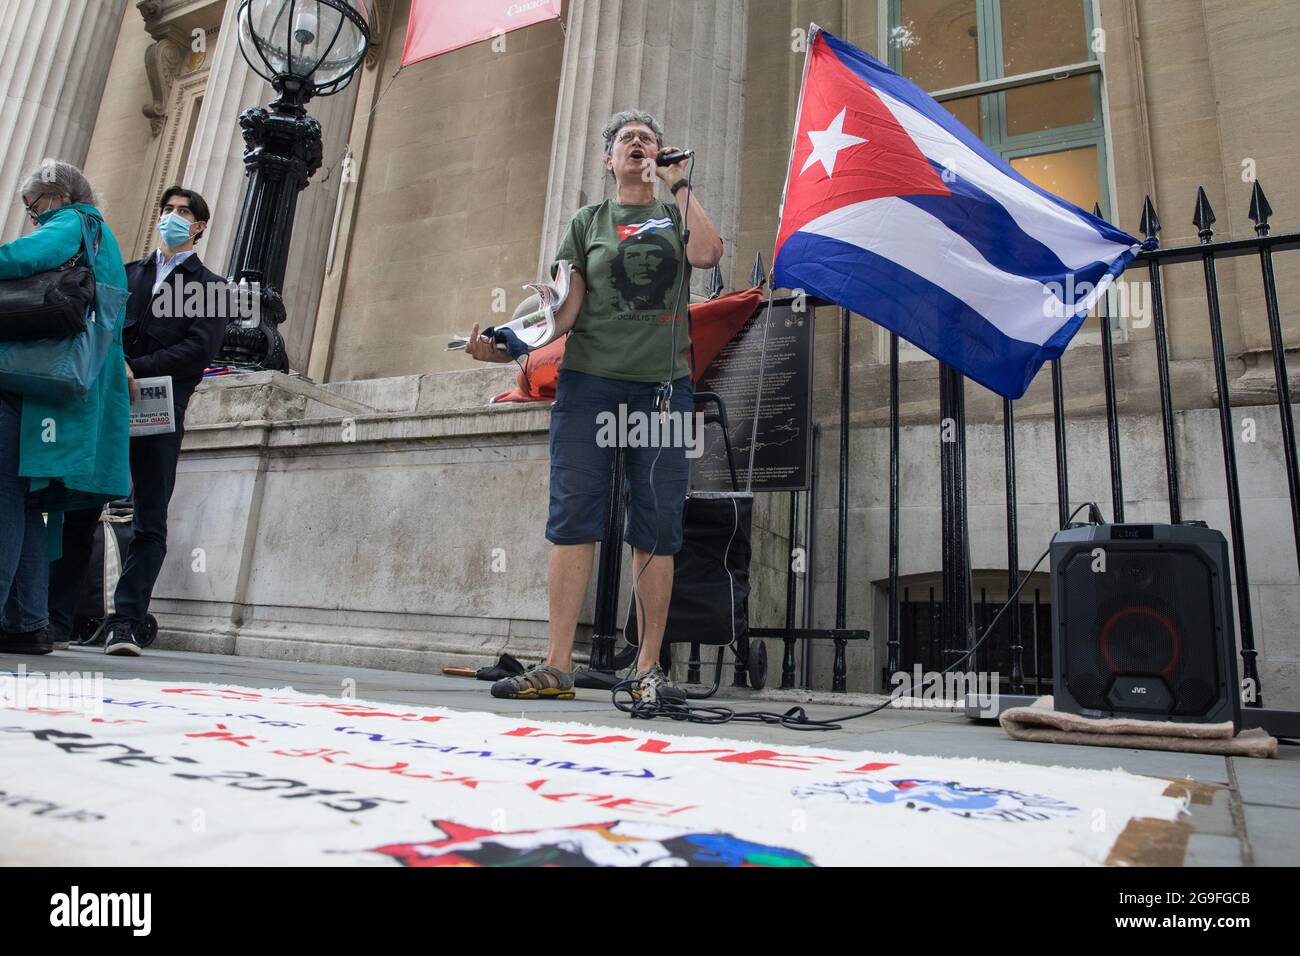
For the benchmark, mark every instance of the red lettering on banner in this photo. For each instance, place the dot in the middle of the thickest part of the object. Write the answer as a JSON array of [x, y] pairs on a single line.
[[611, 739], [762, 758], [588, 797], [653, 746], [869, 768], [469, 782], [221, 733], [354, 710], [398, 767], [225, 694], [636, 806], [521, 732], [574, 738], [324, 753]]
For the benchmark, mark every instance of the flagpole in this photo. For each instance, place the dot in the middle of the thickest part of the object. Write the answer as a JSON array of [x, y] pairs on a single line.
[[813, 30], [758, 396]]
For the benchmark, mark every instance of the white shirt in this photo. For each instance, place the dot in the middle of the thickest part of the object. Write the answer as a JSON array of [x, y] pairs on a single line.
[[167, 266]]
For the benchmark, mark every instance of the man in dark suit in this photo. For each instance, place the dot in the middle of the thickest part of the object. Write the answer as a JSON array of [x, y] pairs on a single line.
[[175, 320]]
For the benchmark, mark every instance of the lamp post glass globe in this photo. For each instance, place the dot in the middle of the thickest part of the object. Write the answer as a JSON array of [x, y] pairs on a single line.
[[304, 47]]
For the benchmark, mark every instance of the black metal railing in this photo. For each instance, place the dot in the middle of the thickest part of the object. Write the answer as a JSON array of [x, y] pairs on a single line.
[[960, 624], [1022, 640]]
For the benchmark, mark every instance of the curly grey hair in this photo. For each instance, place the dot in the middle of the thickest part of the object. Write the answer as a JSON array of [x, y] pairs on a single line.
[[621, 119], [56, 178]]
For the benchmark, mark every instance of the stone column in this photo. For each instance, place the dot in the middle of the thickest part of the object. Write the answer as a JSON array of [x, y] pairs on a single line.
[[216, 164], [216, 169], [54, 60], [683, 61]]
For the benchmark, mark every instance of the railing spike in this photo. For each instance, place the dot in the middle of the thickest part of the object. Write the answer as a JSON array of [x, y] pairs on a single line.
[[1203, 218], [714, 285], [1150, 225], [1260, 210], [759, 274]]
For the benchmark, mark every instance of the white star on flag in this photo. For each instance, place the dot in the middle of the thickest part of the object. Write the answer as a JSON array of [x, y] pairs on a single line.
[[828, 142]]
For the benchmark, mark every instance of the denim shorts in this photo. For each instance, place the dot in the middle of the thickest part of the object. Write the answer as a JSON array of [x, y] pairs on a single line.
[[582, 457]]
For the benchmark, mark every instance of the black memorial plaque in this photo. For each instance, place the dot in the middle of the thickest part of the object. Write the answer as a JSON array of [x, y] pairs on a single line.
[[783, 456]]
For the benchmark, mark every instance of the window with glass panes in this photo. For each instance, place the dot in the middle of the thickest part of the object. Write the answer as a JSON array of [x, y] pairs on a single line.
[[1048, 125]]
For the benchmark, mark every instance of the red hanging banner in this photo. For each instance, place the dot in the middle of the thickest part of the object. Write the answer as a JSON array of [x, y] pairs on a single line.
[[439, 26]]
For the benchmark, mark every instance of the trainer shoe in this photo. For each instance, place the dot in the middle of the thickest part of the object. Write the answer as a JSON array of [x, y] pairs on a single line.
[[536, 683], [119, 638], [654, 685]]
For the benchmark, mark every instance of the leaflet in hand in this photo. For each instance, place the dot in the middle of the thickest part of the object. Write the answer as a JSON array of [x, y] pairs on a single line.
[[534, 319], [153, 411]]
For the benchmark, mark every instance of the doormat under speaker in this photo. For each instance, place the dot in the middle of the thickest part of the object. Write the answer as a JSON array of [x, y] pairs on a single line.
[[1040, 722]]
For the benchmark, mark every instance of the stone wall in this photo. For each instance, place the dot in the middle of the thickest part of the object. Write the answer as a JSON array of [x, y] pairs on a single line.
[[450, 200], [1270, 546], [389, 523], [360, 524]]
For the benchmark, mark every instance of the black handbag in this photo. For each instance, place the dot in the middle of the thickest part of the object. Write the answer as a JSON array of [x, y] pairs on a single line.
[[48, 305]]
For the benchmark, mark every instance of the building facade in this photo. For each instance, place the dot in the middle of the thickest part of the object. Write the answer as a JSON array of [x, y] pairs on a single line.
[[452, 179]]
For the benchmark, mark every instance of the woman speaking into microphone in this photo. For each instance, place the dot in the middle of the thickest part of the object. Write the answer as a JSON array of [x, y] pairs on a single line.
[[627, 310]]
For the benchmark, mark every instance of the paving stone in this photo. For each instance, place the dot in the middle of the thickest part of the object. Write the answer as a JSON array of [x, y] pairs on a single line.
[[1274, 834], [1213, 818], [1274, 782], [1205, 849]]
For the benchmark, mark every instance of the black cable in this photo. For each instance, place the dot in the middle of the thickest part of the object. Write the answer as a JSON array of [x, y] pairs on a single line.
[[795, 718]]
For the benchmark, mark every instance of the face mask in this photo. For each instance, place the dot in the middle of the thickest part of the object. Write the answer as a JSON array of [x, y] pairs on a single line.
[[174, 230]]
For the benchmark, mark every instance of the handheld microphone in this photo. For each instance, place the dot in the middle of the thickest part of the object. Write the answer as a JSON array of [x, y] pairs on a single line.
[[673, 158]]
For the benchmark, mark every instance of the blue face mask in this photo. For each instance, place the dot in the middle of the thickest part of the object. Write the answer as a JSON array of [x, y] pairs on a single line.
[[174, 230]]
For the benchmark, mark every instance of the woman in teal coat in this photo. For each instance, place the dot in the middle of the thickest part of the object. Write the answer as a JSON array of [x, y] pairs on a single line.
[[56, 457]]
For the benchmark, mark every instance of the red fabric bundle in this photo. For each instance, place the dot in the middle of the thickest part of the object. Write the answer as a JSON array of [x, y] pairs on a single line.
[[713, 325]]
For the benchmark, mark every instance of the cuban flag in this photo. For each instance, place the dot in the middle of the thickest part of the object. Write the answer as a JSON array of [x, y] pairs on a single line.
[[650, 225], [894, 210]]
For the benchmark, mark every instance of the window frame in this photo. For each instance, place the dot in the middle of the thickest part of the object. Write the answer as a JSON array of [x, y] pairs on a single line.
[[991, 90]]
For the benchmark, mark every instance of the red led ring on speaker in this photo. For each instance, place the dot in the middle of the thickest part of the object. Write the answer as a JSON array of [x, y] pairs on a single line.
[[1161, 619]]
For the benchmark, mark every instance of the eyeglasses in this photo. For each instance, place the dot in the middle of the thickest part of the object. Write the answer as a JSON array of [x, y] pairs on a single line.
[[646, 139]]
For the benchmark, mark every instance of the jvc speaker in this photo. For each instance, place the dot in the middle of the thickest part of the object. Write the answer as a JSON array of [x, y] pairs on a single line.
[[1142, 623]]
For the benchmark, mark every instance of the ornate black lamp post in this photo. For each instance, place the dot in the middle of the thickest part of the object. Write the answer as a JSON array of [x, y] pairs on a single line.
[[304, 48]]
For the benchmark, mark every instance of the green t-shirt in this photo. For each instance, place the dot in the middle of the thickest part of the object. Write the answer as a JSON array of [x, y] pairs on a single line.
[[631, 258]]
